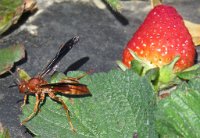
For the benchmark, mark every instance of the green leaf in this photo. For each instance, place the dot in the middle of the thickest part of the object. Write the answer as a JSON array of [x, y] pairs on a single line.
[[122, 104], [10, 55], [57, 76], [11, 11], [179, 114]]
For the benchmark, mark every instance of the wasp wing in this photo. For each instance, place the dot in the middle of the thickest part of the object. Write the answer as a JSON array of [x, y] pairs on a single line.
[[64, 49], [68, 88]]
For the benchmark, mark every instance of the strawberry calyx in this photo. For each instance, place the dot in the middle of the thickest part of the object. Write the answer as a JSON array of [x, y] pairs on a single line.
[[146, 65], [167, 75], [161, 77]]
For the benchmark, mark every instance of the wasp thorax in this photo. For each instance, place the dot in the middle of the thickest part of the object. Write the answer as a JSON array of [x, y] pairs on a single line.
[[34, 83]]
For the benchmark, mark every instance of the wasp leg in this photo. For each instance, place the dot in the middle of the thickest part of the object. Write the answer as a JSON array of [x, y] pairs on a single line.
[[58, 99], [83, 75], [75, 79], [36, 107], [25, 99], [42, 97], [72, 79]]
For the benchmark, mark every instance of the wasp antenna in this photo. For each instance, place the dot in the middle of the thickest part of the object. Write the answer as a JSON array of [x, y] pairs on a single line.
[[17, 81], [14, 85], [90, 71]]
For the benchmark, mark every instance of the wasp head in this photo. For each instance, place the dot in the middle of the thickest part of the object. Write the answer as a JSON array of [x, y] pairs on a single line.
[[23, 87]]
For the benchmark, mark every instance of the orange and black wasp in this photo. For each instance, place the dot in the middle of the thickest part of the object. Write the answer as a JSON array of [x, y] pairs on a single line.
[[41, 88]]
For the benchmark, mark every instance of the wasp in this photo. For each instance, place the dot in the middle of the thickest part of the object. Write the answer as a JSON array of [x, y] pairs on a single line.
[[39, 87]]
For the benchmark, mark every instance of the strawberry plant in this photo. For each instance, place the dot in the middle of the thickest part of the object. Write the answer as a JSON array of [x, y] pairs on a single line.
[[162, 49], [129, 103]]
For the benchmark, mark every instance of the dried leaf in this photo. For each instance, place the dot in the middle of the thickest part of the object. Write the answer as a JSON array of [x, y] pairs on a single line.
[[194, 30], [155, 2], [30, 5]]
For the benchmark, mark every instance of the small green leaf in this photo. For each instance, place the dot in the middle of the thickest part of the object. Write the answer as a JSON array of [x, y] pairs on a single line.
[[140, 62], [122, 104], [23, 74], [115, 4], [166, 72], [178, 115], [137, 67], [190, 73], [121, 65], [10, 55], [152, 74], [194, 67], [4, 133], [167, 77]]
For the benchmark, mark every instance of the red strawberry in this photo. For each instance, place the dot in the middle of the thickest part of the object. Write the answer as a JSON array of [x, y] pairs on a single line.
[[161, 37]]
